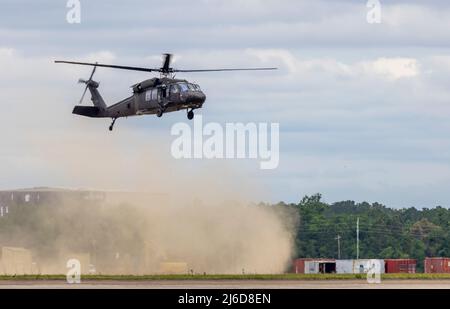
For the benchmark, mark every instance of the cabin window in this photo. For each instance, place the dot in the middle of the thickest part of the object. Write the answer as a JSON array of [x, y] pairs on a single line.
[[148, 95], [154, 94]]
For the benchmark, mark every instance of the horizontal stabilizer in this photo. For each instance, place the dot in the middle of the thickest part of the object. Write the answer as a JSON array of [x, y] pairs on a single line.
[[88, 111]]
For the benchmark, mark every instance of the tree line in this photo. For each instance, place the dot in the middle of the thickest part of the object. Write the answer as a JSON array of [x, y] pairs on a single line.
[[383, 232]]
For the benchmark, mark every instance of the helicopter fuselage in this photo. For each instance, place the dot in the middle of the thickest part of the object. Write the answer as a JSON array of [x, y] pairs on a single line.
[[152, 96]]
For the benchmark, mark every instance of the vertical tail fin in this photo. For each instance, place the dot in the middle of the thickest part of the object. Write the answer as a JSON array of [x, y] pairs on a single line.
[[95, 96], [99, 108]]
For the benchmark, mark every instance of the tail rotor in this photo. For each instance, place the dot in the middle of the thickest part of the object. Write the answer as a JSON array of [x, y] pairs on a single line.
[[82, 81]]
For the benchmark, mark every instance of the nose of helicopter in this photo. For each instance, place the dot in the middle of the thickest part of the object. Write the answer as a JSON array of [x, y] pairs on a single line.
[[196, 97], [202, 97]]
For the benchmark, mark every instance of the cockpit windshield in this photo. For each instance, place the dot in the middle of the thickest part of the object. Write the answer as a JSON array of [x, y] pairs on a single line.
[[188, 87]]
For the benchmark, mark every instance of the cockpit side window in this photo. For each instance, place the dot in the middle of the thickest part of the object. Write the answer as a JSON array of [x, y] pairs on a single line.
[[197, 87], [191, 87], [174, 89], [184, 87]]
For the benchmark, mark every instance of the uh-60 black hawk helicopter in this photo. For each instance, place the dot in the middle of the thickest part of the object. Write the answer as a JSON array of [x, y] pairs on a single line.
[[152, 96]]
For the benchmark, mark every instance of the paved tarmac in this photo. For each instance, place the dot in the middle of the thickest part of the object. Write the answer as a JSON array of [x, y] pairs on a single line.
[[229, 284]]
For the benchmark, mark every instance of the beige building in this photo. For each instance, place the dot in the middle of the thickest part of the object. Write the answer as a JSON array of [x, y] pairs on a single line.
[[16, 261]]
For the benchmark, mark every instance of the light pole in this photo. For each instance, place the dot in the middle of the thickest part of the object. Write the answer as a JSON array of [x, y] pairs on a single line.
[[357, 238], [338, 238]]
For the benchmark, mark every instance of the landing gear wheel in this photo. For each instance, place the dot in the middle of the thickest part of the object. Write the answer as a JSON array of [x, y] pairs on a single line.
[[159, 113], [190, 115]]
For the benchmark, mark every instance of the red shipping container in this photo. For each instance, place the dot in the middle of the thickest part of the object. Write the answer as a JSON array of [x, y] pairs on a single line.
[[437, 265], [299, 265], [400, 266]]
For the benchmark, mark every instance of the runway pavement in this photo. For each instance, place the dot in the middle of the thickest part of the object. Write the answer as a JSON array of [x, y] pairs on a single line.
[[228, 284]]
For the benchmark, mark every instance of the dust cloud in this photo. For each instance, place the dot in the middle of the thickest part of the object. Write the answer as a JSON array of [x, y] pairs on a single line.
[[157, 216], [141, 237]]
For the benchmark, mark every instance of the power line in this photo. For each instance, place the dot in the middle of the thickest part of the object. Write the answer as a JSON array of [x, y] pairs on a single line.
[[374, 230]]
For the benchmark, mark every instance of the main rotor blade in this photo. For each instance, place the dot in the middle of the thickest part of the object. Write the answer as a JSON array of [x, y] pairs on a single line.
[[121, 67], [164, 69], [224, 70]]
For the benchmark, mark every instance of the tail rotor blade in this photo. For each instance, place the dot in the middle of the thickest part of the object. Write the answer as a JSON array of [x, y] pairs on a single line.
[[93, 71], [87, 82], [84, 93]]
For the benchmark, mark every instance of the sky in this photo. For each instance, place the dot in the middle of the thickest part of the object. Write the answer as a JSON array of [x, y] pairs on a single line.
[[363, 108]]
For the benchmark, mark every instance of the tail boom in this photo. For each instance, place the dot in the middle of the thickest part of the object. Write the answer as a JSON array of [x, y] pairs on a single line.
[[87, 111]]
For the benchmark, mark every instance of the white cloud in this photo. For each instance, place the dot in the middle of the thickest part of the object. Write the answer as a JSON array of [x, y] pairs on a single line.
[[392, 68], [6, 52], [389, 68]]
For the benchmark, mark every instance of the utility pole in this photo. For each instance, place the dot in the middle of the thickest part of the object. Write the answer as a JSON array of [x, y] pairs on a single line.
[[339, 246], [357, 238]]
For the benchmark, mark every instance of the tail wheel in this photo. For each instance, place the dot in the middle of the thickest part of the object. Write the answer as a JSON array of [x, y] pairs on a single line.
[[190, 115], [159, 113]]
